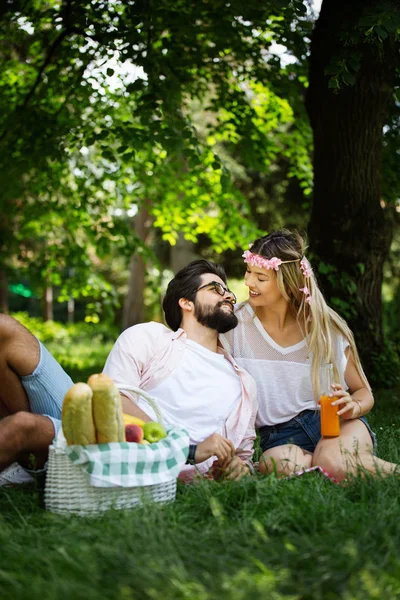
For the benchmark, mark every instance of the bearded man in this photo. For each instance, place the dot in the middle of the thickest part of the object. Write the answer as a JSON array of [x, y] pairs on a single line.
[[196, 384]]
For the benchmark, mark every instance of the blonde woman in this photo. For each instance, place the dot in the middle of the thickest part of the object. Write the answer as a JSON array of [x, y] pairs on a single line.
[[286, 334]]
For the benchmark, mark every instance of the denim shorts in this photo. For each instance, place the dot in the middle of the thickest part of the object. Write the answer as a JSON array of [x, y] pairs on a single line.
[[303, 431], [46, 387]]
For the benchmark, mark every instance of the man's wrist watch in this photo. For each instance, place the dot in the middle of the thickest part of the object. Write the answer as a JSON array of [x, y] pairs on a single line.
[[191, 456]]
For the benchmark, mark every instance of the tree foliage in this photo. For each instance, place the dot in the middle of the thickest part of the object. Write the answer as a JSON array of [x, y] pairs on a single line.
[[186, 109], [56, 101]]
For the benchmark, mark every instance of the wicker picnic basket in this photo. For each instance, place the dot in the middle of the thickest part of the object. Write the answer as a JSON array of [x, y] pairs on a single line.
[[68, 490]]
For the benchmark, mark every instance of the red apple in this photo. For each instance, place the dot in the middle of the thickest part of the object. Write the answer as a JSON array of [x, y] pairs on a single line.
[[133, 433]]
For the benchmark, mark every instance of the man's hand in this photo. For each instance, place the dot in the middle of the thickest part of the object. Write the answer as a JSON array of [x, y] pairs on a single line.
[[235, 470], [215, 445]]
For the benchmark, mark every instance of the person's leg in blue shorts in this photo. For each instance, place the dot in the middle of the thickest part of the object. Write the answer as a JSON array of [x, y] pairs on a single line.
[[32, 389]]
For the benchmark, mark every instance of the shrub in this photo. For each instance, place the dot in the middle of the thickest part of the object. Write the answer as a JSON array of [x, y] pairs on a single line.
[[80, 348]]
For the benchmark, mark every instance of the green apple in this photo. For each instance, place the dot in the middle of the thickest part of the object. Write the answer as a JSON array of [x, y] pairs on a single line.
[[153, 432]]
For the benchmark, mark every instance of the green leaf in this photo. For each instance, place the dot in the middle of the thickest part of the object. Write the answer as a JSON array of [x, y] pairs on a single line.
[[361, 268], [333, 83], [382, 33], [349, 78]]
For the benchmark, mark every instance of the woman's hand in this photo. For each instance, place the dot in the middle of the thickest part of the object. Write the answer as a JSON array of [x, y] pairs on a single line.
[[349, 408]]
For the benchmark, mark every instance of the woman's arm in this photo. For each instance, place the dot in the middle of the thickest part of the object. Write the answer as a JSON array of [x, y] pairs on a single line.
[[359, 400]]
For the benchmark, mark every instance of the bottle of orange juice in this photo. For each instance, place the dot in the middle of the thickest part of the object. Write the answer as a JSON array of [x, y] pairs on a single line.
[[330, 422]]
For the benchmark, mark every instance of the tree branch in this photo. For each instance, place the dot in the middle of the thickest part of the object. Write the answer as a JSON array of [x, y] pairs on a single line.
[[42, 69]]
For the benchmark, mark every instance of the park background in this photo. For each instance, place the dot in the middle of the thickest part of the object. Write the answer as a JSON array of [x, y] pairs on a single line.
[[137, 135]]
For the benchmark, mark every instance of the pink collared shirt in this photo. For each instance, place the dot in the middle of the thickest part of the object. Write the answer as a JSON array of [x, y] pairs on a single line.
[[146, 354]]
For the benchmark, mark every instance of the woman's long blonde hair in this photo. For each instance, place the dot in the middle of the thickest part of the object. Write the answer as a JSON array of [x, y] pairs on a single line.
[[316, 319]]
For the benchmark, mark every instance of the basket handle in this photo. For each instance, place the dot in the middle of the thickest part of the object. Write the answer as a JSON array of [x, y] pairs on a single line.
[[131, 388]]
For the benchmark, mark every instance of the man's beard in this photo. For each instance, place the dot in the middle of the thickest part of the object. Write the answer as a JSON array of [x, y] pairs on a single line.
[[215, 317]]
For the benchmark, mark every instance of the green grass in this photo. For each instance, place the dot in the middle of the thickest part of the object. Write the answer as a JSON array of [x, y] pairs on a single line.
[[304, 538], [262, 538]]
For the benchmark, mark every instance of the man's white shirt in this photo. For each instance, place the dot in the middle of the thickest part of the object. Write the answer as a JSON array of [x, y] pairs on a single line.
[[199, 395]]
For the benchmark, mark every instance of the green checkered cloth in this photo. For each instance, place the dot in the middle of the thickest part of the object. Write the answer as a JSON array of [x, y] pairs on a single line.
[[124, 464]]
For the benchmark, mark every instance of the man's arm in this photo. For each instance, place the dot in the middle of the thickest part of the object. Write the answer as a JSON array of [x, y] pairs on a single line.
[[130, 408], [128, 359], [246, 447], [240, 464]]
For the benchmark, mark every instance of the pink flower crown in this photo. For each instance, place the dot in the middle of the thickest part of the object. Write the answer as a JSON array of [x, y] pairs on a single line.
[[255, 260]]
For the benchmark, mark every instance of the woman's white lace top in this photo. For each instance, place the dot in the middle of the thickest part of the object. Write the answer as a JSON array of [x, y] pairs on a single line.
[[283, 375]]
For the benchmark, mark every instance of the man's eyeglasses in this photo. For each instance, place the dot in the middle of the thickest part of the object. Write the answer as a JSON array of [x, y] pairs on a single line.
[[219, 288]]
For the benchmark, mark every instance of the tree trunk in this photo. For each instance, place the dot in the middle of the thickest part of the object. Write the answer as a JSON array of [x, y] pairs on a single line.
[[70, 310], [48, 303], [350, 232], [3, 292], [182, 253], [133, 311]]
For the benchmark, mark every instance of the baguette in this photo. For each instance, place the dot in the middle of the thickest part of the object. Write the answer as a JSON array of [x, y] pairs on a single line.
[[76, 416], [107, 409]]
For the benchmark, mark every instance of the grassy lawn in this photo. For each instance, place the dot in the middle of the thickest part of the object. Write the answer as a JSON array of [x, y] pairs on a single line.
[[304, 538]]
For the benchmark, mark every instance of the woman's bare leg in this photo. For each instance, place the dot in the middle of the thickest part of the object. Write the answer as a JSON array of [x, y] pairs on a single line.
[[285, 460], [351, 453]]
